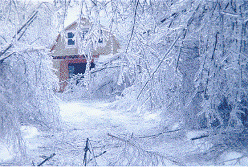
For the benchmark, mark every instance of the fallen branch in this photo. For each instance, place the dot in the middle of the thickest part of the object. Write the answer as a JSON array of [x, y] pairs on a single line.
[[148, 152], [234, 159], [48, 158], [98, 70], [86, 149], [156, 135], [98, 155], [104, 85], [199, 137]]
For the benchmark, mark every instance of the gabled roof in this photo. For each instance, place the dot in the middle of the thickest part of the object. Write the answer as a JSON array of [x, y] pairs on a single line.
[[84, 22], [111, 45]]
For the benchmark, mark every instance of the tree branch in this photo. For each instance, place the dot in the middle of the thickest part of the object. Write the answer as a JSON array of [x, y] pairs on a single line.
[[28, 23], [101, 69], [134, 21], [156, 135], [148, 152], [156, 69], [48, 158]]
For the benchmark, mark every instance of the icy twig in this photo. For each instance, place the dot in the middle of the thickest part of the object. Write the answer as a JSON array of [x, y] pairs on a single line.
[[150, 153], [199, 137], [85, 151], [25, 25], [230, 14], [48, 158], [134, 22], [156, 135], [98, 155], [105, 68], [168, 51], [234, 159]]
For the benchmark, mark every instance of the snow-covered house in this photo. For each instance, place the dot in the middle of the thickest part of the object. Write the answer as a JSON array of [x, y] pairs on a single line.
[[67, 59]]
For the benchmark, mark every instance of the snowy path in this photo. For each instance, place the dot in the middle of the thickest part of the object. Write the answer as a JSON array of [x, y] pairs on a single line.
[[82, 120], [94, 120]]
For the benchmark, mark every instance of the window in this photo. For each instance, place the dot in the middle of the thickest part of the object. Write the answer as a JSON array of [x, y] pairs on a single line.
[[70, 39], [70, 35], [100, 40], [84, 32]]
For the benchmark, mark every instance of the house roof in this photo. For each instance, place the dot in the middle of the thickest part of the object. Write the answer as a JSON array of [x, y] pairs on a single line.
[[110, 44], [84, 22]]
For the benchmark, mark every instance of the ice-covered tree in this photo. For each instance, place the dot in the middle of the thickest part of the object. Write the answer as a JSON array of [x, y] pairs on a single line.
[[186, 58], [26, 78]]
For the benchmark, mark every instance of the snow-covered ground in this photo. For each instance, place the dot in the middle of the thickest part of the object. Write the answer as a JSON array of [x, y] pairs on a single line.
[[95, 117], [115, 138], [82, 120]]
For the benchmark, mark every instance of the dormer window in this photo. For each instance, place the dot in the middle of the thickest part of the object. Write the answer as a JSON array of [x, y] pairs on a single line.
[[84, 33], [100, 40], [70, 39]]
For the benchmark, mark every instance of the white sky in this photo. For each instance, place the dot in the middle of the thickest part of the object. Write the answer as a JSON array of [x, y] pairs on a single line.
[[72, 15]]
